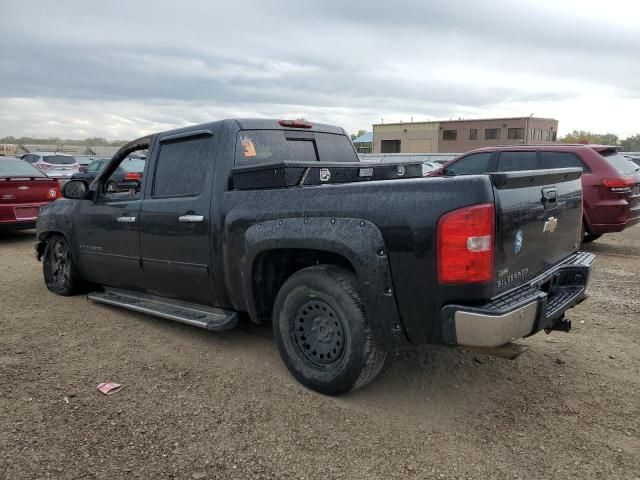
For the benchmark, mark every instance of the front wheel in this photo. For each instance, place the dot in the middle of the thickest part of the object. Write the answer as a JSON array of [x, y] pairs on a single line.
[[60, 273], [322, 331]]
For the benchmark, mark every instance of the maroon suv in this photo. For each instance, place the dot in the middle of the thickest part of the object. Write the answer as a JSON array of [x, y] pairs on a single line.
[[610, 182]]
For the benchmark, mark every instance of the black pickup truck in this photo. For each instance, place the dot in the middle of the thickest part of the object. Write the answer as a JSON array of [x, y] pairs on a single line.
[[277, 221]]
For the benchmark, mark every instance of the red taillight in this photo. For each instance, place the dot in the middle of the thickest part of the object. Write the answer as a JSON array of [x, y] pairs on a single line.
[[619, 185], [300, 123], [133, 176], [465, 245], [44, 166]]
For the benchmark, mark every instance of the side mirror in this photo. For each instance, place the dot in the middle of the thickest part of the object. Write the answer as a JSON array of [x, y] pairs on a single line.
[[75, 189]]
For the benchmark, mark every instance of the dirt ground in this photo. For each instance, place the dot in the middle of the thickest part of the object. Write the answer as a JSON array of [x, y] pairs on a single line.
[[201, 405]]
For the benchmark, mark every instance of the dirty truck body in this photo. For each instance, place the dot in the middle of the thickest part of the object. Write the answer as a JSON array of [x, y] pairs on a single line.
[[280, 223]]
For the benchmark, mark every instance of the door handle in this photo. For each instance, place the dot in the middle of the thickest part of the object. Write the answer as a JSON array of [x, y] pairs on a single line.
[[191, 218], [126, 219]]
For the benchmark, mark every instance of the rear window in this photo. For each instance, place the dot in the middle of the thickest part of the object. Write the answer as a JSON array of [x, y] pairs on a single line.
[[59, 159], [96, 165], [516, 161], [561, 160], [132, 165], [255, 147], [621, 163], [18, 168]]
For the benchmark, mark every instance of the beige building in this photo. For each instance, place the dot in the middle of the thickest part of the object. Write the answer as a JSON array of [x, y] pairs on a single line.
[[458, 136]]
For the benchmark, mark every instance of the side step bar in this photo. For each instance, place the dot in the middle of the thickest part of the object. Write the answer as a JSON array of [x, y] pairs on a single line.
[[210, 318]]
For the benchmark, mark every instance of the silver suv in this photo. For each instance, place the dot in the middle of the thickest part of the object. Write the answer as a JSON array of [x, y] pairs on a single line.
[[55, 165]]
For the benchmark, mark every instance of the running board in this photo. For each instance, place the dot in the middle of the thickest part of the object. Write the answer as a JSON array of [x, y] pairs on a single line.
[[210, 318]]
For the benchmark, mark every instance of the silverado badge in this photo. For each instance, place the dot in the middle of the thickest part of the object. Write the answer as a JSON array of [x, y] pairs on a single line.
[[517, 246], [550, 225]]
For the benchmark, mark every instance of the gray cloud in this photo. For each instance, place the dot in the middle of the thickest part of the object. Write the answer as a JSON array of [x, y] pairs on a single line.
[[356, 61]]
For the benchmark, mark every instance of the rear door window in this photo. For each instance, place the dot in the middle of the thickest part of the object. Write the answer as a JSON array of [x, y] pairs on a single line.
[[473, 164], [255, 147], [516, 161], [561, 160], [181, 167], [621, 163]]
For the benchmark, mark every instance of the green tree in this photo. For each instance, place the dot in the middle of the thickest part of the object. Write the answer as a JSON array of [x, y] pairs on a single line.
[[582, 136], [356, 135], [631, 144]]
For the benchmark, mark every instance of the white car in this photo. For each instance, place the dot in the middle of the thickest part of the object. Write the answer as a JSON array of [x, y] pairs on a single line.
[[54, 165]]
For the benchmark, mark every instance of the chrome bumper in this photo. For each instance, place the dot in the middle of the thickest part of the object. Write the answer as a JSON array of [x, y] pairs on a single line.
[[538, 305]]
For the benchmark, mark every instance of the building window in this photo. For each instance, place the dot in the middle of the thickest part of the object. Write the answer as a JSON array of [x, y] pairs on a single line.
[[390, 146], [473, 134], [449, 134], [515, 134], [554, 136], [532, 134], [492, 134]]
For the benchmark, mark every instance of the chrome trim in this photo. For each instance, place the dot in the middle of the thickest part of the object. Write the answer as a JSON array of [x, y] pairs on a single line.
[[479, 330], [191, 218], [126, 219]]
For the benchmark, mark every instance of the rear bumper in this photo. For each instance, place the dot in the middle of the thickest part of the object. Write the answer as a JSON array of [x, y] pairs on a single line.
[[10, 219], [601, 228], [540, 304], [624, 216], [17, 225]]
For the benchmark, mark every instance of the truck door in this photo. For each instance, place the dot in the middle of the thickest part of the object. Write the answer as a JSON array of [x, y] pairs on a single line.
[[107, 234], [175, 218]]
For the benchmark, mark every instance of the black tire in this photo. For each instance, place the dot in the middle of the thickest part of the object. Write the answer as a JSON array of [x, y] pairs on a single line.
[[60, 273], [322, 332], [586, 236]]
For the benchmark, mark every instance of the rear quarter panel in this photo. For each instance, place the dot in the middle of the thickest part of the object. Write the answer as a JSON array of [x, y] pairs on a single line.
[[406, 212]]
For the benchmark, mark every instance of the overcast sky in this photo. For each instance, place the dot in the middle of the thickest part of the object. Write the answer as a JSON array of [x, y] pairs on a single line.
[[77, 69]]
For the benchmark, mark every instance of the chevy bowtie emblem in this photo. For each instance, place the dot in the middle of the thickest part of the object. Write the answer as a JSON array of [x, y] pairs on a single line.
[[550, 225], [23, 187]]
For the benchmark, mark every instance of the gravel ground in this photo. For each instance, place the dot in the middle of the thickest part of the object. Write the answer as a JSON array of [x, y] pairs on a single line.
[[200, 405]]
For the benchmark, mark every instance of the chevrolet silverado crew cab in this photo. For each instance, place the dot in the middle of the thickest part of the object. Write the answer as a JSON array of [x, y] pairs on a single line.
[[277, 221]]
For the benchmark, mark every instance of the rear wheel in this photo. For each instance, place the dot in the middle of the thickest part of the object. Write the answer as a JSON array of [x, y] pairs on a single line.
[[60, 273], [586, 236], [111, 187], [322, 331]]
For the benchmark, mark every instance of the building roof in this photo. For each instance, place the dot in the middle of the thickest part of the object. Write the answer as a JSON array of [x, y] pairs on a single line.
[[366, 137], [465, 120]]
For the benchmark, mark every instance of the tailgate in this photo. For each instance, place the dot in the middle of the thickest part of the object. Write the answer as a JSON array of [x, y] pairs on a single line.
[[538, 222], [27, 190]]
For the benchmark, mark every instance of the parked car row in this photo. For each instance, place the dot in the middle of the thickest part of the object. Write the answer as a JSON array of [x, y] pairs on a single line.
[[610, 180]]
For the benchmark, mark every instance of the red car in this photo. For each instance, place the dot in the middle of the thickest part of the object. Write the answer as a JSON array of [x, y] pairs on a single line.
[[23, 190], [610, 181]]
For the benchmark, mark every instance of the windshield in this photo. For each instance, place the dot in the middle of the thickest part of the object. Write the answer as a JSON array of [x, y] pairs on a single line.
[[621, 163], [59, 159], [18, 168], [132, 165]]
